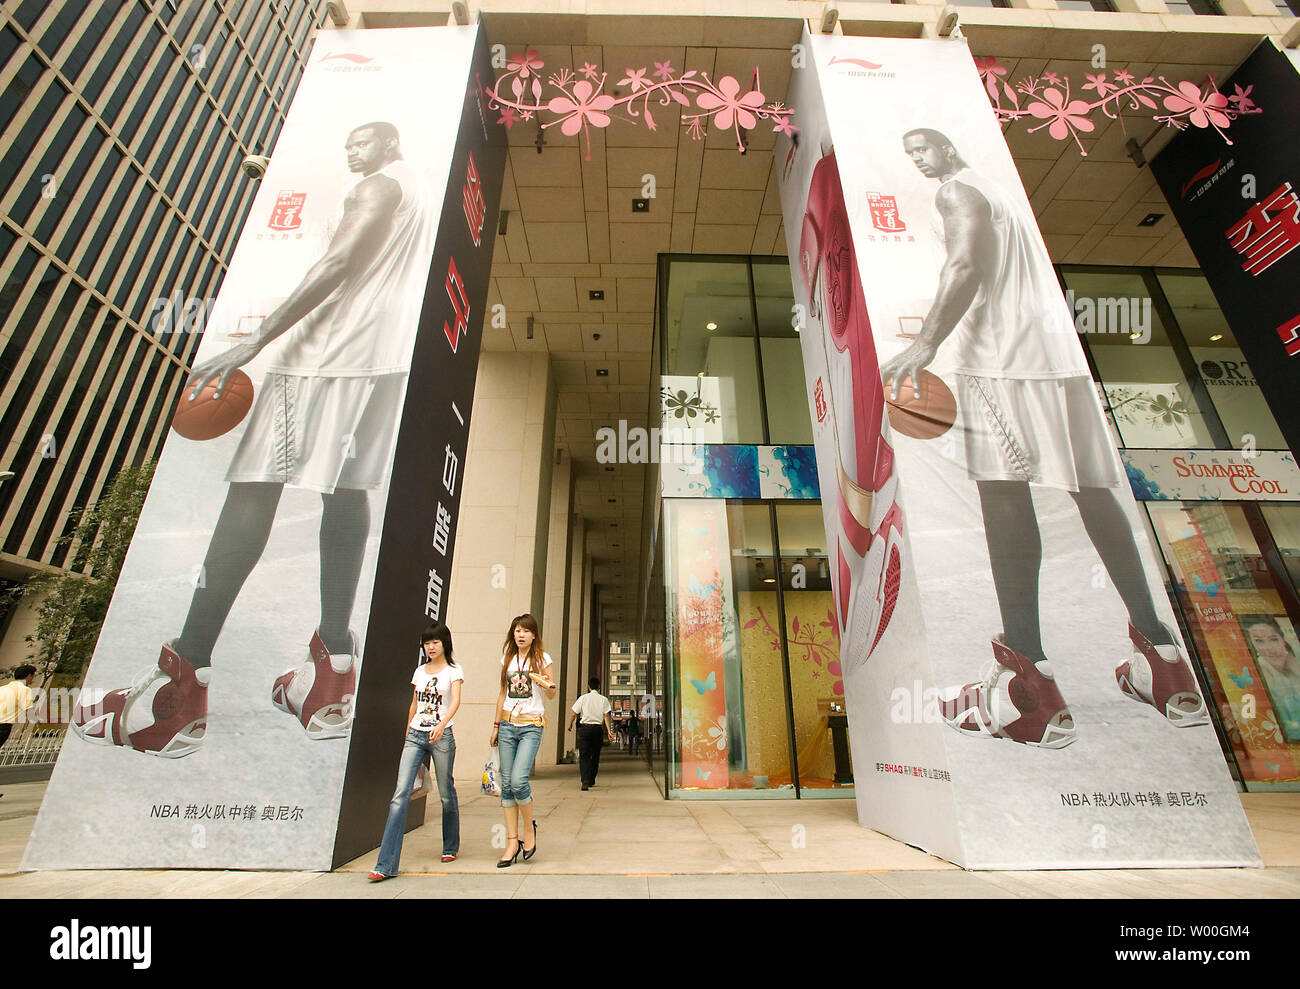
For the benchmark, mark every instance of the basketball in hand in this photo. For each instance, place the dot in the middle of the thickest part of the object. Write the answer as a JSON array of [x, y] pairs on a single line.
[[207, 416], [926, 417]]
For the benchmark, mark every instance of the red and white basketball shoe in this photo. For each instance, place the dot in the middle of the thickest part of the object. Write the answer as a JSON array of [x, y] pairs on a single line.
[[869, 554], [164, 713], [320, 693], [1027, 708], [1162, 677]]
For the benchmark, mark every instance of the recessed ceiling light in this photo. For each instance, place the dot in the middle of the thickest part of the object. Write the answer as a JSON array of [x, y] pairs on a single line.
[[1217, 336], [710, 326], [596, 294], [640, 206], [602, 372], [1131, 336], [609, 468], [1151, 219]]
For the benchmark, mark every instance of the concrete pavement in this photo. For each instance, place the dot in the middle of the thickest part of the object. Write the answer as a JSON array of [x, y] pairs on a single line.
[[623, 840]]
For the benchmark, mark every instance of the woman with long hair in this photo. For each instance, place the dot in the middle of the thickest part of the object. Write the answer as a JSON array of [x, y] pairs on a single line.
[[436, 697], [526, 684]]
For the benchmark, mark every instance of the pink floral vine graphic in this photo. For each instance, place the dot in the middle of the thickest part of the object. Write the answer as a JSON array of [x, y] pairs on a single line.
[[578, 104], [822, 652], [1048, 98]]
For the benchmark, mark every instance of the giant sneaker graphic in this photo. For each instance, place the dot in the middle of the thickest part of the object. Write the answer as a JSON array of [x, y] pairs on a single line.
[[1018, 700], [320, 693], [869, 554], [1162, 677], [164, 713]]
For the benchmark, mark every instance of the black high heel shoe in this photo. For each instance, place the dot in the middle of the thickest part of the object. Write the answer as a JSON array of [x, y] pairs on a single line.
[[507, 862], [530, 852]]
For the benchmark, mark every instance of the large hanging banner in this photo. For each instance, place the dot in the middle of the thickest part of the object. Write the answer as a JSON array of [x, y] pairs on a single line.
[[1239, 208], [243, 703], [1017, 691]]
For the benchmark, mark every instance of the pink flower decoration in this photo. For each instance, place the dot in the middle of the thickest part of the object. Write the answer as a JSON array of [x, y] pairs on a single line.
[[1242, 98], [1098, 82], [663, 70], [1123, 77], [989, 66], [525, 64], [1065, 119], [586, 109], [508, 117], [589, 70], [730, 108], [1051, 78], [783, 126], [634, 78], [1205, 110]]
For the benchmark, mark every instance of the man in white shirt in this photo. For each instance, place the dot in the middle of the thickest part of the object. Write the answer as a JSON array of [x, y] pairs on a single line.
[[15, 699], [593, 709]]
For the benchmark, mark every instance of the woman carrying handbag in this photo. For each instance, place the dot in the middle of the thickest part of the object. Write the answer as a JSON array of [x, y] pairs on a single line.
[[434, 701], [526, 684]]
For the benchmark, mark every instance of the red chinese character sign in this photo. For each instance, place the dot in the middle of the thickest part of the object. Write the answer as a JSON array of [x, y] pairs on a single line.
[[1239, 210], [241, 706]]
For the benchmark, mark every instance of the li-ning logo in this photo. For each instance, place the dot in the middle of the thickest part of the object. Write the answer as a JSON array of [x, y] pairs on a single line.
[[861, 67], [75, 943], [1204, 173]]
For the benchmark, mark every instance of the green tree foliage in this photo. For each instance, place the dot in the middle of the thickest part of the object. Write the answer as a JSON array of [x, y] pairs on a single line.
[[73, 602]]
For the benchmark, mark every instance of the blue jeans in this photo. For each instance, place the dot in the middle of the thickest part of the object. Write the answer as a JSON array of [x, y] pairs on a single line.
[[517, 747], [414, 752]]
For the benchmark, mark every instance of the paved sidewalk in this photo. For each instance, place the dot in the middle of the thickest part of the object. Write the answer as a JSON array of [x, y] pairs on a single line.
[[622, 839]]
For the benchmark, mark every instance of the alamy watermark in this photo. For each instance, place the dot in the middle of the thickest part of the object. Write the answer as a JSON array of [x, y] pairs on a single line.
[[638, 445], [1128, 316]]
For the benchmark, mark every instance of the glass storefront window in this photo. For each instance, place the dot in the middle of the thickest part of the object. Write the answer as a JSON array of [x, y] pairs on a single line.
[[1243, 622], [1222, 366], [1284, 526], [710, 382], [729, 710], [784, 390], [812, 634], [1149, 397]]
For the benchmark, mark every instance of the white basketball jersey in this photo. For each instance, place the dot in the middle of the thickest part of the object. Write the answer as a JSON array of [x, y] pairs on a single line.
[[1019, 325], [367, 325]]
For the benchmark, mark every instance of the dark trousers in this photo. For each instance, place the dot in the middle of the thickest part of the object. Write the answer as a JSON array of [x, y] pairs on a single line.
[[4, 733], [590, 739]]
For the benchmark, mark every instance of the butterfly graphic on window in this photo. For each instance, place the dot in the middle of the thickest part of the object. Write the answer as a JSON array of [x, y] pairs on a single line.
[[1244, 680], [711, 683], [701, 774], [1272, 767], [1211, 589]]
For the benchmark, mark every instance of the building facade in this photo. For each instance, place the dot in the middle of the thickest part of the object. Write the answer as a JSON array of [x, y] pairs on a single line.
[[122, 198], [640, 287]]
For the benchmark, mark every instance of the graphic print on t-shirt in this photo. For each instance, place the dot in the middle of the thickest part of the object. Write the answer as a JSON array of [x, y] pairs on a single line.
[[428, 702], [518, 685]]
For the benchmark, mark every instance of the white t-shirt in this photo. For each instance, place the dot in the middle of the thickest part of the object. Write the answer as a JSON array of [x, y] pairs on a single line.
[[523, 695], [15, 698], [432, 695], [591, 707]]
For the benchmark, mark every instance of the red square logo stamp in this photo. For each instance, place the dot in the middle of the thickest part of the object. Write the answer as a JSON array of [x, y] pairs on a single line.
[[287, 214], [819, 398], [884, 213]]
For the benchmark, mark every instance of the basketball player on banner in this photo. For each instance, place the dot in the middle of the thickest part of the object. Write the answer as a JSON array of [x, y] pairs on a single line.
[[868, 556], [1031, 417], [324, 419]]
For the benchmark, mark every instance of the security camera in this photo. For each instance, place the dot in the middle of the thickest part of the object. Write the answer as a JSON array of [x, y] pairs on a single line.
[[254, 166]]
